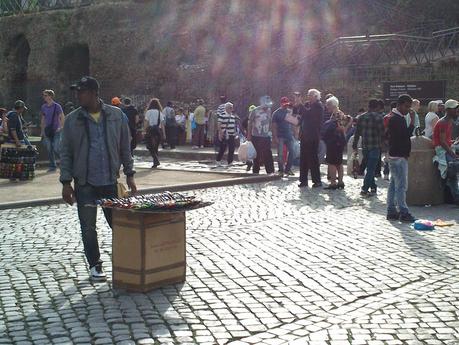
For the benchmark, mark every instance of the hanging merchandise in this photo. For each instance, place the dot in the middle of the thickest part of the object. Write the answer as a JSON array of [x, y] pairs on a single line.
[[17, 163]]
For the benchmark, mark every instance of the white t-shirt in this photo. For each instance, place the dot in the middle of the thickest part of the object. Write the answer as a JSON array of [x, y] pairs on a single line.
[[430, 118], [180, 119], [152, 117]]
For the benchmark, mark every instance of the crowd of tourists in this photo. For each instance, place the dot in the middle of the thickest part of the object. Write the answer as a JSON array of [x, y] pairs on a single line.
[[96, 139]]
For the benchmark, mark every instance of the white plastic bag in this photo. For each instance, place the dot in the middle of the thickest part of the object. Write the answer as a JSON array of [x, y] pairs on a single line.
[[297, 147], [246, 151], [251, 152], [242, 151]]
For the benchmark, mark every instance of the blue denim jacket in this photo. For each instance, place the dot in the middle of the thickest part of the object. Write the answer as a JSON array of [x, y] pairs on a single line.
[[75, 152]]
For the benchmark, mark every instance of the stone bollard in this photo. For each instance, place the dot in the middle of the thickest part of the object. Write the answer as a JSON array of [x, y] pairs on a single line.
[[424, 181]]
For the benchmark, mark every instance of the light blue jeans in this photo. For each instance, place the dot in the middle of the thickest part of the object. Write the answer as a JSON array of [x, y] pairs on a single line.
[[373, 156], [396, 194], [280, 153], [451, 178], [52, 146]]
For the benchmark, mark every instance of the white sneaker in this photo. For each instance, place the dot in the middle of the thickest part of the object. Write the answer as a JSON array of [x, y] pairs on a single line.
[[218, 163], [96, 273]]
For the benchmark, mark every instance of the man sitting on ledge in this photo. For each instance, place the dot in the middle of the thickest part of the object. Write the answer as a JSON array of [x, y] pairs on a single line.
[[446, 157]]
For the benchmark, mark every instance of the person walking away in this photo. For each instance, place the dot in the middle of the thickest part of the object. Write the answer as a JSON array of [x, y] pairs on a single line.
[[431, 118], [180, 118], [311, 116], [444, 152], [399, 150], [259, 131], [370, 127], [283, 135], [16, 124], [335, 141], [200, 120], [154, 129], [171, 125], [132, 114], [52, 120], [226, 134], [95, 143]]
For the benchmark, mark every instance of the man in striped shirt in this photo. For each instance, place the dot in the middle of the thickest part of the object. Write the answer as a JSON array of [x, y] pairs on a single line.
[[221, 107], [226, 133]]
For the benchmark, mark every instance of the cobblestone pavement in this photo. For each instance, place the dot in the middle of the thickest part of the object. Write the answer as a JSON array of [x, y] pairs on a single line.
[[267, 264], [184, 165]]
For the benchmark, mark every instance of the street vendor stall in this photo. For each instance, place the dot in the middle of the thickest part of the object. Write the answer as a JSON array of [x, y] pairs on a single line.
[[17, 162], [149, 239]]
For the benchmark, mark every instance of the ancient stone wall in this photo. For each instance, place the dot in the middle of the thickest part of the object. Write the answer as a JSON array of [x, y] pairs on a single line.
[[172, 49]]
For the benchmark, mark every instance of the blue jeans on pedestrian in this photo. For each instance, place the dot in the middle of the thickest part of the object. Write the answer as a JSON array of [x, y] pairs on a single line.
[[396, 194], [290, 143], [451, 177], [372, 156], [52, 145], [85, 195]]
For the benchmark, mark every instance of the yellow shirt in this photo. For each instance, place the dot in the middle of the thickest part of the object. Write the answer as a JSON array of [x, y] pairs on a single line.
[[95, 116], [200, 115]]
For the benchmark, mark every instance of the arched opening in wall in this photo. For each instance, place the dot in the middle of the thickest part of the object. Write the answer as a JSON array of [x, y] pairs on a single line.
[[18, 52], [72, 63]]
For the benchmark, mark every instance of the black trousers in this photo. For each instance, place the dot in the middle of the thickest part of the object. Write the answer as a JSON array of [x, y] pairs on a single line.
[[309, 161], [133, 140], [230, 143], [153, 139], [171, 136], [264, 154], [85, 195]]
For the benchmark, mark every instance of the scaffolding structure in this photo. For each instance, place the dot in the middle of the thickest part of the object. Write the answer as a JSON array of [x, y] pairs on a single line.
[[383, 50], [12, 7]]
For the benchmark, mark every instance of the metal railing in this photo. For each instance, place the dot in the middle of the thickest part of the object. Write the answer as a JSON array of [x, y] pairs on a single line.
[[12, 7], [388, 49]]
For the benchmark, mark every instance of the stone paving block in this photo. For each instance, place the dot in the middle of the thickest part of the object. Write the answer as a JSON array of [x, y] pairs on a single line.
[[316, 260]]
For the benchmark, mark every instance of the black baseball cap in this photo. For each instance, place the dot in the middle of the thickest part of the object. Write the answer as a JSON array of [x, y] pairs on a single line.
[[86, 83], [19, 104]]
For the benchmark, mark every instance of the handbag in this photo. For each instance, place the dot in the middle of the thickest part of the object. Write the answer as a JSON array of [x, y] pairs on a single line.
[[49, 130]]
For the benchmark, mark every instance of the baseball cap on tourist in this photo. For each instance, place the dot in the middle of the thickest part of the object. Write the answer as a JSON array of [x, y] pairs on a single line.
[[116, 101], [86, 83], [265, 101], [284, 101], [252, 107], [439, 102], [297, 93], [451, 104], [19, 104]]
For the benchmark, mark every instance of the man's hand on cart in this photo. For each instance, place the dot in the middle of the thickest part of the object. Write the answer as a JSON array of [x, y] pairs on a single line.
[[131, 184]]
